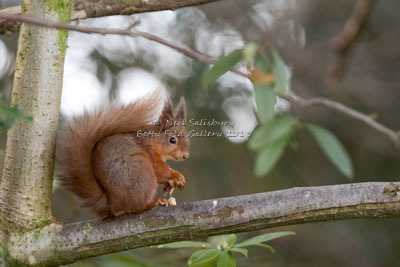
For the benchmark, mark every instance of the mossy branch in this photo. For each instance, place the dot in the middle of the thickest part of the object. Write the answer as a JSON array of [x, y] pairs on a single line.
[[83, 9], [57, 244]]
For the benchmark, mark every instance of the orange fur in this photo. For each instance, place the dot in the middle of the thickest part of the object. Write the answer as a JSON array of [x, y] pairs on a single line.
[[103, 161]]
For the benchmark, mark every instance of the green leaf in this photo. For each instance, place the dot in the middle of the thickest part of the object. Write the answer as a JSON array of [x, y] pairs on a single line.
[[203, 256], [220, 67], [226, 259], [282, 73], [11, 115], [272, 131], [186, 244], [240, 250], [262, 64], [129, 260], [266, 246], [265, 100], [249, 53], [332, 149], [3, 251], [268, 156], [230, 239], [264, 93], [214, 240], [263, 238]]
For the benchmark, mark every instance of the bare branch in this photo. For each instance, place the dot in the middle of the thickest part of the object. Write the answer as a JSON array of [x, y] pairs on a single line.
[[56, 244], [369, 120], [103, 31], [9, 27], [352, 27], [83, 9], [394, 136], [342, 42]]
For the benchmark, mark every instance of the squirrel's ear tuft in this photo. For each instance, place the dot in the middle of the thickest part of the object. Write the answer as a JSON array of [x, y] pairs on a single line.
[[167, 109], [166, 115], [181, 109]]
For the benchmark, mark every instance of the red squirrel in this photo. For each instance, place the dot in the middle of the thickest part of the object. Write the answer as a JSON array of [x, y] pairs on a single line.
[[106, 158]]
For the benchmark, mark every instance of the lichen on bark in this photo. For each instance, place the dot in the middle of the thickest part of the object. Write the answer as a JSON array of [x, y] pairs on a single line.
[[63, 9], [25, 186]]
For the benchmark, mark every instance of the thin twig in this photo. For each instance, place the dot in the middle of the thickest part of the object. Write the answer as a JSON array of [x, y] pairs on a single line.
[[103, 31], [394, 136], [290, 96], [353, 26], [134, 24], [343, 41]]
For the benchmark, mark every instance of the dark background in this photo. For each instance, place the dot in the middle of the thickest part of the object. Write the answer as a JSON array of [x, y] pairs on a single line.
[[302, 31]]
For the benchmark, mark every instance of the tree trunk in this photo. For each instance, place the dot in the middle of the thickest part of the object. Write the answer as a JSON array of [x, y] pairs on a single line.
[[26, 184], [25, 188], [56, 244]]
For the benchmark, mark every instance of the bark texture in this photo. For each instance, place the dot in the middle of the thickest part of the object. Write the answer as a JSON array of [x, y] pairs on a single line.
[[9, 27], [83, 9], [57, 244], [25, 187]]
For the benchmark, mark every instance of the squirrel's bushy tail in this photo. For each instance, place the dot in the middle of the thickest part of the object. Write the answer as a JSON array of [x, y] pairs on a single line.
[[78, 137]]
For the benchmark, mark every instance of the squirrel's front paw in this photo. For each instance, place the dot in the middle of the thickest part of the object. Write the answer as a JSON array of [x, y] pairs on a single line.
[[161, 202], [178, 182]]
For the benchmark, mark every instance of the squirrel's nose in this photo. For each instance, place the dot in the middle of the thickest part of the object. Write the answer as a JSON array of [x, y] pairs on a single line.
[[185, 155]]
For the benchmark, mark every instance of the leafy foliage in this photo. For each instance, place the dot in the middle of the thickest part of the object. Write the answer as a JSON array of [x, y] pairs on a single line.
[[265, 100], [268, 156], [281, 72], [11, 115], [271, 78], [332, 149], [186, 244], [272, 135], [272, 131], [3, 251], [221, 66], [124, 259], [203, 256], [128, 260], [226, 259], [270, 140], [262, 238], [221, 249]]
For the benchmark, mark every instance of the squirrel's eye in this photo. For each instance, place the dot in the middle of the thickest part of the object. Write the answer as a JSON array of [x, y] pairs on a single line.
[[172, 140]]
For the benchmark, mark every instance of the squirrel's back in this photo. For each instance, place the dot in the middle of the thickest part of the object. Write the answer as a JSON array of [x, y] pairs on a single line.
[[78, 138]]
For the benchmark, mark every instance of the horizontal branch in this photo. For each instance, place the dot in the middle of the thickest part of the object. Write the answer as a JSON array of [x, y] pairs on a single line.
[[83, 9], [103, 31], [370, 121], [9, 27], [291, 96], [57, 244]]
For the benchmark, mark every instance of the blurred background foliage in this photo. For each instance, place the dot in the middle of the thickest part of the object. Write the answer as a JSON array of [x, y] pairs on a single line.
[[98, 68]]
